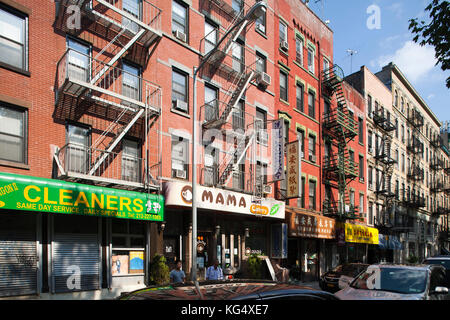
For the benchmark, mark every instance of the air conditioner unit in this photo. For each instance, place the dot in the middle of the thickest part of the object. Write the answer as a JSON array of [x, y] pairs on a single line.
[[284, 45], [180, 35], [180, 104], [312, 158], [264, 79], [181, 174], [261, 28], [263, 137], [267, 189]]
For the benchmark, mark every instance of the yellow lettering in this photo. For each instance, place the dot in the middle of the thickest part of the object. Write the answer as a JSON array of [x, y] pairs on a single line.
[[26, 195], [123, 204], [46, 200], [62, 197], [101, 203], [109, 202], [84, 200], [138, 203]]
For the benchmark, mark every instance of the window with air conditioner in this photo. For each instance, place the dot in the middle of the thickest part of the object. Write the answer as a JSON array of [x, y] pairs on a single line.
[[179, 21], [180, 91], [283, 36], [180, 157], [13, 38], [260, 23], [261, 121]]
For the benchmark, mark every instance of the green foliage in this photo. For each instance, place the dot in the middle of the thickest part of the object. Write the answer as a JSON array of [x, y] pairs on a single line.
[[436, 32], [254, 266], [159, 270], [413, 259]]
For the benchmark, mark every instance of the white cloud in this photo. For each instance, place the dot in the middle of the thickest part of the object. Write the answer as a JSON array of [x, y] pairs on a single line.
[[412, 59]]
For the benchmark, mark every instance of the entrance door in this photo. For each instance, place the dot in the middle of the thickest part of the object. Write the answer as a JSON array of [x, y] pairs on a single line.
[[171, 251], [18, 255], [310, 260]]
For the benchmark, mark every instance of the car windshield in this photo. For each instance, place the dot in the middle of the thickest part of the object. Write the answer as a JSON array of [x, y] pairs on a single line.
[[350, 270], [399, 280], [444, 263]]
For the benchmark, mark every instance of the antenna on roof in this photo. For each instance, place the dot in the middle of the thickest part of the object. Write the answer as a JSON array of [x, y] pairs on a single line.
[[351, 52]]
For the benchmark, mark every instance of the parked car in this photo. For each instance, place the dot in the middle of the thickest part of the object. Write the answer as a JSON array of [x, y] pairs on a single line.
[[397, 282], [341, 276], [229, 290], [443, 261]]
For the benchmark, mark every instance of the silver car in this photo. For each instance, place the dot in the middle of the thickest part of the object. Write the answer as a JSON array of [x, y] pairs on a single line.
[[397, 282]]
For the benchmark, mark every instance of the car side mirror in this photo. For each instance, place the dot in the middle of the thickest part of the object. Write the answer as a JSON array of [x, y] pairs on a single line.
[[440, 290]]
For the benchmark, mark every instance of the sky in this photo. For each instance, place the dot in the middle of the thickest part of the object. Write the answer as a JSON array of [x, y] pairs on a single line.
[[380, 39]]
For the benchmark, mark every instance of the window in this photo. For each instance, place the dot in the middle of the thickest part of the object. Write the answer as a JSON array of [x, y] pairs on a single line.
[[312, 195], [13, 39], [326, 108], [396, 128], [237, 5], [260, 23], [311, 104], [210, 36], [312, 148], [180, 162], [311, 60], [361, 168], [238, 56], [131, 164], [133, 8], [369, 105], [396, 99], [179, 18], [262, 137], [326, 67], [370, 177], [212, 108], [299, 50], [300, 92], [351, 155], [78, 143], [286, 133], [238, 117], [361, 130], [179, 91], [370, 213], [352, 199], [261, 62], [283, 86], [13, 134], [283, 32], [79, 60], [301, 139], [131, 82], [128, 237], [369, 141], [361, 203], [403, 163], [403, 133], [303, 193]]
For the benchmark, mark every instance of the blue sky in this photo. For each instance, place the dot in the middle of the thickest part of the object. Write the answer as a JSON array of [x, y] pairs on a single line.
[[392, 42]]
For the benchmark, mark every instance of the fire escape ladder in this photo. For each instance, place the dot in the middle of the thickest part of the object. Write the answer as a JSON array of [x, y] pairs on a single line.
[[235, 159], [115, 141]]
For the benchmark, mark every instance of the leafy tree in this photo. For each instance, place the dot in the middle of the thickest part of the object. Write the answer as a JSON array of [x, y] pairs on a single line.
[[436, 33], [159, 271], [254, 266]]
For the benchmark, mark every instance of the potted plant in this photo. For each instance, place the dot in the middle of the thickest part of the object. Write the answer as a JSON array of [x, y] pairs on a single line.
[[254, 266], [159, 270], [413, 259]]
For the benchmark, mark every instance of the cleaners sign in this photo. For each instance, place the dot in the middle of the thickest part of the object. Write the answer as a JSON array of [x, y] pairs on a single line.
[[27, 193]]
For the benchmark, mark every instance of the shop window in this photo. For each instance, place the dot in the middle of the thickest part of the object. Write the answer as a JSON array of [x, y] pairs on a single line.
[[128, 247], [180, 157], [13, 134]]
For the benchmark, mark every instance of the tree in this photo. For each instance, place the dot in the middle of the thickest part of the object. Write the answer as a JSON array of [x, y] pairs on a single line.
[[436, 33]]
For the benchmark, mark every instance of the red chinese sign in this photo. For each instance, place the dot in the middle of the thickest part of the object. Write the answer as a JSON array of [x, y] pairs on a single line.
[[310, 225]]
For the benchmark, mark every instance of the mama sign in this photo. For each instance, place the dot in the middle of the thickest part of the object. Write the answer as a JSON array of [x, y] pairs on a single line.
[[180, 194]]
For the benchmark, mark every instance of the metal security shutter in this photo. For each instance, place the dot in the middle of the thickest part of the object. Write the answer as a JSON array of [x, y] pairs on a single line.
[[73, 252], [18, 257]]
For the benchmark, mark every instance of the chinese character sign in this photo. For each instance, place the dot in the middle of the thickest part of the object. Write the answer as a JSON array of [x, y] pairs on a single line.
[[278, 150], [294, 170]]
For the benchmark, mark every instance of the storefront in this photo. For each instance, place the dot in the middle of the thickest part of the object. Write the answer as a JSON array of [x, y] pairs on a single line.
[[230, 226], [356, 242], [389, 248], [61, 237], [309, 247]]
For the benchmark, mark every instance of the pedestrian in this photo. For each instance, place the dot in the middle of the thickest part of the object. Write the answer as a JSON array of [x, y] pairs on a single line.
[[177, 275], [214, 272]]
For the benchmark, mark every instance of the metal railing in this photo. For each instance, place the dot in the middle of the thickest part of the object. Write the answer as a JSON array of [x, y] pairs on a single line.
[[77, 73], [77, 161], [337, 117], [334, 163]]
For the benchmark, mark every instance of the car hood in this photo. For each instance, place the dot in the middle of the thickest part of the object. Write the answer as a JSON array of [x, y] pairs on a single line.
[[350, 293]]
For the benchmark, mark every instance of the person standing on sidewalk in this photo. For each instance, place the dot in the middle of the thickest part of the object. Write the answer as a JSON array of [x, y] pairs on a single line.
[[214, 272], [177, 275]]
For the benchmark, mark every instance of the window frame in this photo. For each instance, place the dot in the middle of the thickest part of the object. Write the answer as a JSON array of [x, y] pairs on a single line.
[[186, 77], [299, 55], [24, 148], [300, 86], [286, 89], [312, 204], [285, 32], [186, 25], [186, 163], [25, 45], [312, 108]]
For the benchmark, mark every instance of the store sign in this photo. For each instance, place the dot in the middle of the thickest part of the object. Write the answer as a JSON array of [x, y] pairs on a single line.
[[278, 150], [180, 194], [27, 193], [360, 234], [294, 170], [311, 226]]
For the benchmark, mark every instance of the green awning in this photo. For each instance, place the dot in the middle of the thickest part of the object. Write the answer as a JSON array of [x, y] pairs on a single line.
[[27, 193]]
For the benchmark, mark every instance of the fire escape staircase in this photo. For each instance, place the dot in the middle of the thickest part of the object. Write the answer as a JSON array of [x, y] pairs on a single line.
[[341, 128]]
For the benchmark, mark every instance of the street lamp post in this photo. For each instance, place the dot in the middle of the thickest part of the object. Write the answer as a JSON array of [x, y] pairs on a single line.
[[255, 11]]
